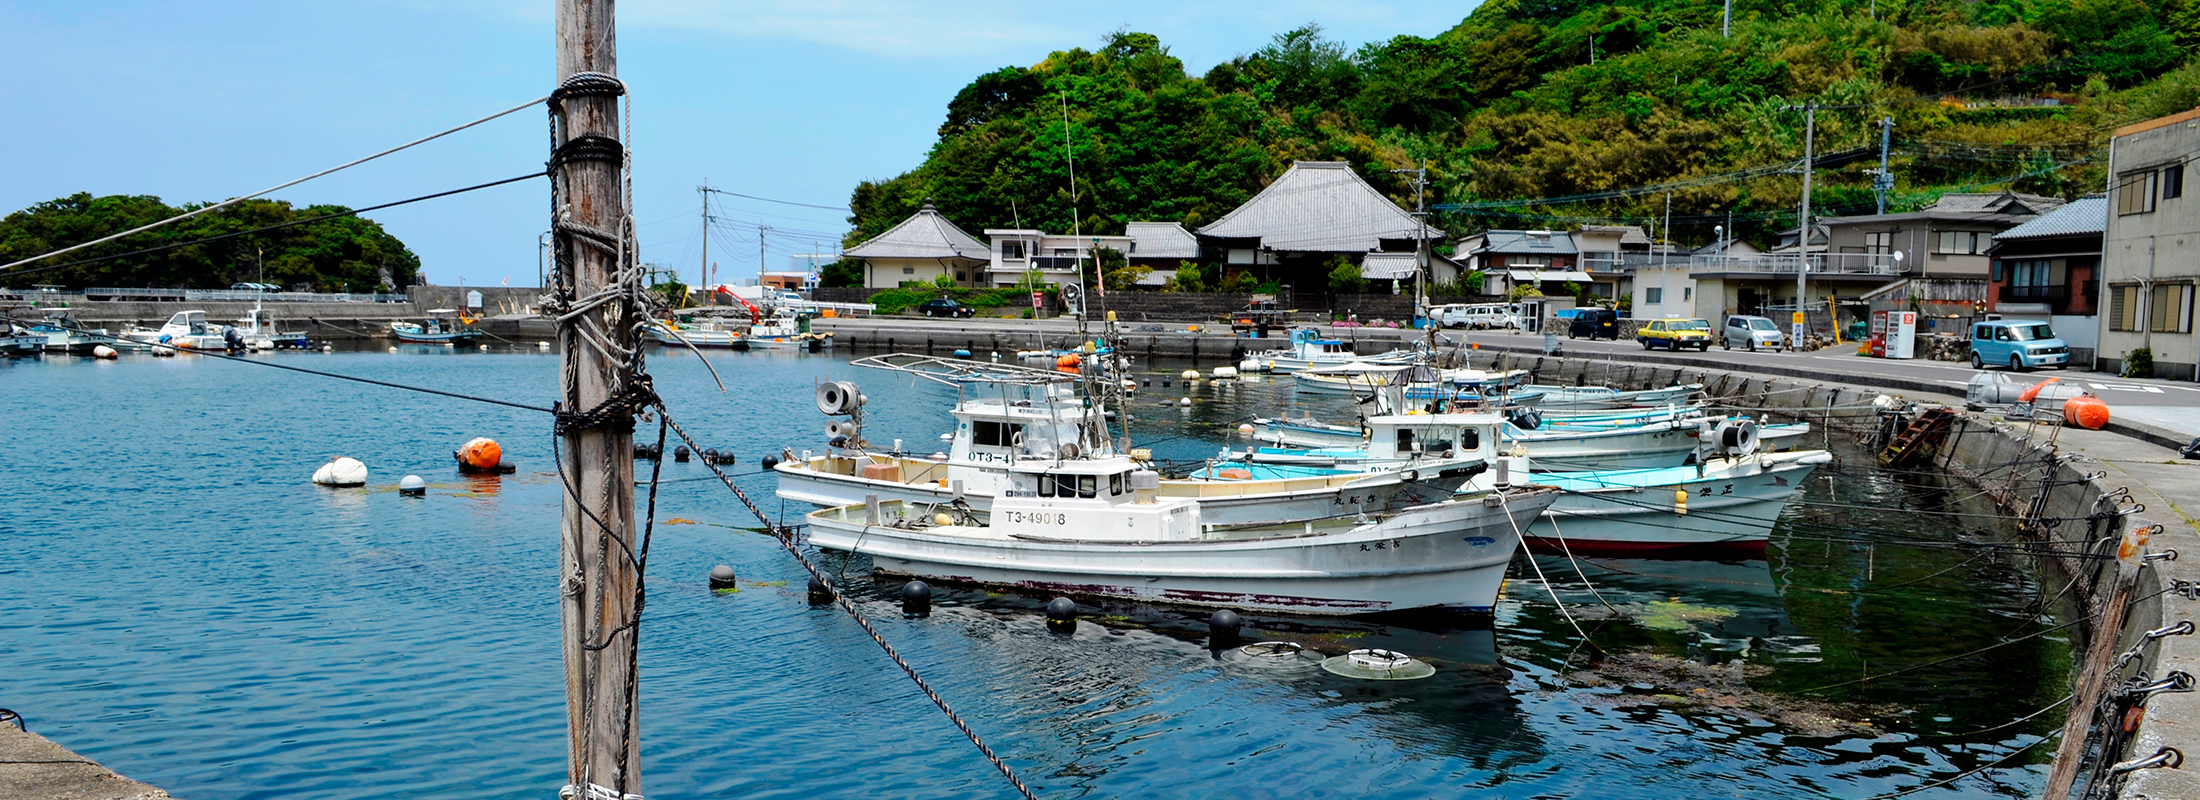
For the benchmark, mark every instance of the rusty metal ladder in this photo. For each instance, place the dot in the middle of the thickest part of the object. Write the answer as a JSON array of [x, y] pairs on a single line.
[[1923, 432]]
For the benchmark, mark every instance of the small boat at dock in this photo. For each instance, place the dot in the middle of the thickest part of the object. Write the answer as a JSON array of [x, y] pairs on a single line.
[[437, 329], [1100, 528], [1309, 349], [706, 334]]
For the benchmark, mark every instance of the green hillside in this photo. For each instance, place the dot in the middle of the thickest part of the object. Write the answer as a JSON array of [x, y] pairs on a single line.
[[1527, 100], [210, 251]]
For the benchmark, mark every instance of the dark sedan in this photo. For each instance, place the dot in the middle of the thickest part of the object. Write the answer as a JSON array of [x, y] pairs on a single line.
[[945, 307]]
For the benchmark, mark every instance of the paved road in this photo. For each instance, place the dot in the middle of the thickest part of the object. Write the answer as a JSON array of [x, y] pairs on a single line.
[[2169, 404]]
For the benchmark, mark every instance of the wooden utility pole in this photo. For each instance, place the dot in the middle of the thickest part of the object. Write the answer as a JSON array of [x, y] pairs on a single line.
[[598, 576]]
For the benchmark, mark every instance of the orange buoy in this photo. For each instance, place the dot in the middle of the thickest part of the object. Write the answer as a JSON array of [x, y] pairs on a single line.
[[2086, 411], [1069, 360], [481, 454], [2033, 392]]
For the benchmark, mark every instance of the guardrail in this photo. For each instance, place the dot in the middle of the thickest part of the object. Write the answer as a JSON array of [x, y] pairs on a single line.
[[238, 295], [1820, 264]]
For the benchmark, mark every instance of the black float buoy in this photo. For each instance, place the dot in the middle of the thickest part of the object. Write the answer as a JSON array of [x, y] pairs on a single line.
[[680, 454], [1222, 630], [710, 456], [916, 599], [1062, 615], [721, 577], [820, 594], [648, 452], [771, 461]]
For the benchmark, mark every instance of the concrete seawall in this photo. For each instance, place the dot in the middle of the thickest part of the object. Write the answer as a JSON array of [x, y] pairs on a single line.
[[32, 767]]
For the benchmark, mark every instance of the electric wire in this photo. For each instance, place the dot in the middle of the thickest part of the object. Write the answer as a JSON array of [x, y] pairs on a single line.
[[235, 200], [307, 220]]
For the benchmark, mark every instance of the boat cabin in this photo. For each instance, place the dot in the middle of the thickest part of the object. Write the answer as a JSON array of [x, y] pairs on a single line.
[[1455, 436], [186, 323], [1111, 498]]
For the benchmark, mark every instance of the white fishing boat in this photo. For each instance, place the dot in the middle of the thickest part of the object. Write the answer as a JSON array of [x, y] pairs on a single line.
[[787, 331], [1101, 528], [1663, 442], [1309, 349], [186, 330], [707, 334], [1575, 398], [1723, 505], [64, 334], [257, 329], [1008, 414]]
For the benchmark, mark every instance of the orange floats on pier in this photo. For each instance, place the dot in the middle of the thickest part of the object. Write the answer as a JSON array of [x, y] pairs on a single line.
[[2032, 392], [1069, 360], [2086, 411], [481, 455]]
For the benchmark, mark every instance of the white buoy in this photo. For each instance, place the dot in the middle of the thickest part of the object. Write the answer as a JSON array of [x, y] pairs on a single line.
[[328, 348], [1190, 375], [343, 471], [1248, 365], [1185, 402], [1246, 428], [1226, 372], [104, 351], [484, 348], [542, 345], [412, 486], [393, 349]]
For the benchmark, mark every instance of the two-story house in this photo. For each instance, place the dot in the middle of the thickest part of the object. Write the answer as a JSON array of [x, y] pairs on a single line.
[[2049, 269], [2147, 263], [1056, 257], [1547, 260]]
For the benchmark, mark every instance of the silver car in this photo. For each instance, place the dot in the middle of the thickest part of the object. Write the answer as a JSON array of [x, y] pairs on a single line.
[[1751, 333]]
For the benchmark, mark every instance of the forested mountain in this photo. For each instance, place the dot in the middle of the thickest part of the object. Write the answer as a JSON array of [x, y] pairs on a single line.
[[336, 254], [1529, 99]]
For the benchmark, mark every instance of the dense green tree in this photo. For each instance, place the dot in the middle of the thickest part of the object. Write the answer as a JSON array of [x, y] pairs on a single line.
[[335, 254], [1510, 104]]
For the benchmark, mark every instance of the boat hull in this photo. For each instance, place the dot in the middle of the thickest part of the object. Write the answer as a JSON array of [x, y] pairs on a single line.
[[1730, 509], [1448, 555]]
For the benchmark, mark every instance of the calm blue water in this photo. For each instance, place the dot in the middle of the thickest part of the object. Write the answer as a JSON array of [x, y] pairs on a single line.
[[178, 602]]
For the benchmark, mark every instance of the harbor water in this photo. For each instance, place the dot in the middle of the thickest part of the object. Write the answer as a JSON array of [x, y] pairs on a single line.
[[178, 602]]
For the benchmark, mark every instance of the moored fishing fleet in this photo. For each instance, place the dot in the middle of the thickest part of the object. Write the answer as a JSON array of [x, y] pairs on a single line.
[[1420, 503]]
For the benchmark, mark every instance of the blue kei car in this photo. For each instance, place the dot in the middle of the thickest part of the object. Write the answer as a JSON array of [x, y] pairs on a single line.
[[2020, 344]]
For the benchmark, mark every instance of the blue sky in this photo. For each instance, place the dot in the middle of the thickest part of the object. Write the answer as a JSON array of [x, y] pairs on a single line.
[[789, 100]]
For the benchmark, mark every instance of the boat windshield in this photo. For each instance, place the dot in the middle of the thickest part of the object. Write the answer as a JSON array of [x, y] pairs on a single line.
[[1762, 325], [2031, 333]]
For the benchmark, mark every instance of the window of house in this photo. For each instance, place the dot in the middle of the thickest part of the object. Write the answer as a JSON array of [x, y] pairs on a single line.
[[1881, 242], [2169, 308], [1532, 262], [2123, 307], [1653, 295], [2030, 273], [2173, 181], [2135, 192], [908, 270], [1963, 243], [1688, 293], [1065, 252], [1012, 251]]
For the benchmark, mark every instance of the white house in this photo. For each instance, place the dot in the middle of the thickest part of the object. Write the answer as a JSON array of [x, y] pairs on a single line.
[[922, 248]]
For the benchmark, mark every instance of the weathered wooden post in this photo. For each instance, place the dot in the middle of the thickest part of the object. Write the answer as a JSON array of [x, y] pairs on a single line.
[[598, 605]]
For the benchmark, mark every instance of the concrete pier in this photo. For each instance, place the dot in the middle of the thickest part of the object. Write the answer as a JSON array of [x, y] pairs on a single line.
[[34, 768]]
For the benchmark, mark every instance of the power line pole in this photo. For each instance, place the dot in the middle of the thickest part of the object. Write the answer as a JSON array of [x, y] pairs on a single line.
[[598, 573], [762, 230], [1421, 250], [1802, 242], [1883, 180], [1665, 262], [702, 268], [1726, 20]]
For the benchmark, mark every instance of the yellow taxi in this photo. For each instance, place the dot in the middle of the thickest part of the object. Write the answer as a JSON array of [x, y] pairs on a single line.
[[1674, 334]]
